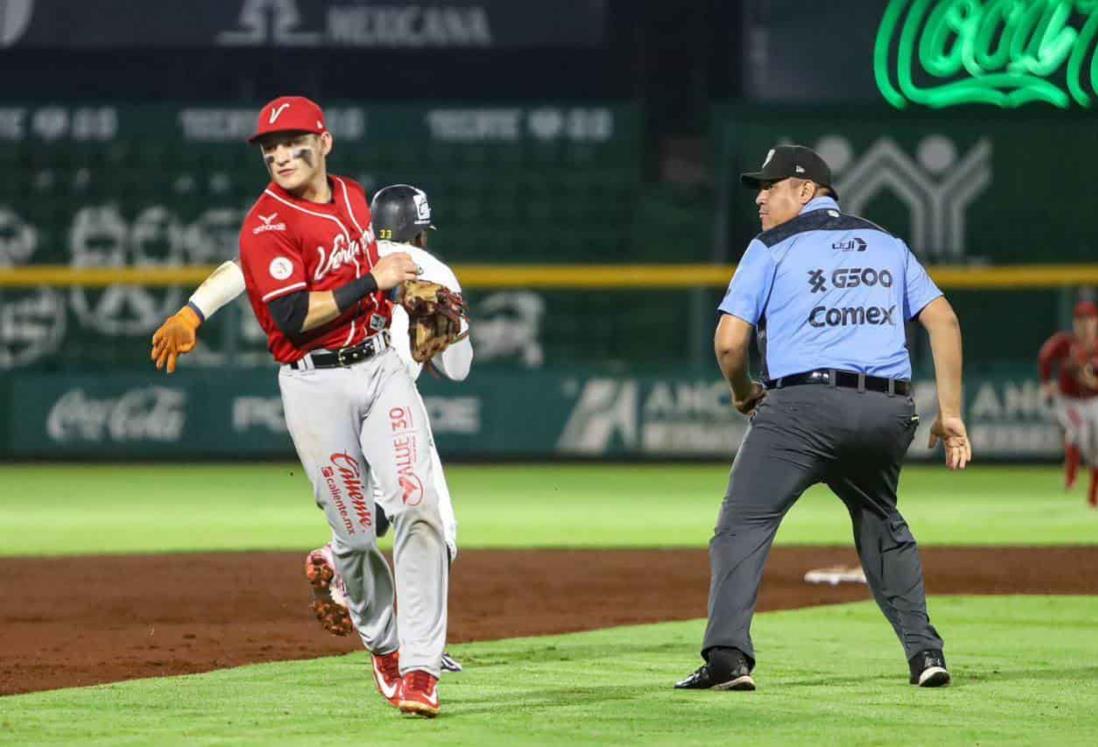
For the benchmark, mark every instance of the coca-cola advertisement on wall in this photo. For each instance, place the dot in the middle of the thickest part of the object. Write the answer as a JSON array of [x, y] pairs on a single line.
[[95, 415], [153, 413]]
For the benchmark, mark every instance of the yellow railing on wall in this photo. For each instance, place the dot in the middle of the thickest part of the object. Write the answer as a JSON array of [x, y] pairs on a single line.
[[481, 276]]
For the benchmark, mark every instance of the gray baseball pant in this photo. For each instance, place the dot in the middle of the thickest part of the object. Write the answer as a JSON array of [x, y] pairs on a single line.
[[854, 441], [357, 429]]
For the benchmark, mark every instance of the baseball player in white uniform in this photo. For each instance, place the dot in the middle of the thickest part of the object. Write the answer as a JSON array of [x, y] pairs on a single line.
[[402, 213]]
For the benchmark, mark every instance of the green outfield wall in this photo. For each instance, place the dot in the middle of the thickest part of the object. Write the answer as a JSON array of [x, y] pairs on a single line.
[[543, 413]]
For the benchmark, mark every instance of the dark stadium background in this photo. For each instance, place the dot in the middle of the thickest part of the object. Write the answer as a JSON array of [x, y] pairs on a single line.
[[577, 133]]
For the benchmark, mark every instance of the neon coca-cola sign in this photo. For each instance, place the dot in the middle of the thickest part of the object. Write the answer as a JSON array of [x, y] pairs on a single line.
[[1006, 53]]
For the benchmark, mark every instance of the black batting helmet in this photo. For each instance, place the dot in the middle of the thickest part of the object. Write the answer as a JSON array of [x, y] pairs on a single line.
[[400, 212]]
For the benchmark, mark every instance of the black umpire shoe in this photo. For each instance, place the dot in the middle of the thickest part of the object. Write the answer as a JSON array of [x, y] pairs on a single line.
[[928, 669], [727, 669]]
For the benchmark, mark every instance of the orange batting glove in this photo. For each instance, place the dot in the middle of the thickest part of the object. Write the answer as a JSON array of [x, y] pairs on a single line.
[[176, 336]]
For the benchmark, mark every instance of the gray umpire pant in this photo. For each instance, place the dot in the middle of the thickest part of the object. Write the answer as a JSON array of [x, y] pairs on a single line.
[[854, 441]]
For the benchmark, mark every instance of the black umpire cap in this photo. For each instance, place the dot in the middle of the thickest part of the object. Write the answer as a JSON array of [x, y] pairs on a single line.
[[400, 212], [791, 161]]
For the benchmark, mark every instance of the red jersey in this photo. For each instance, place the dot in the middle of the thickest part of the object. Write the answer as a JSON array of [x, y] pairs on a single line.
[[288, 244], [1065, 351]]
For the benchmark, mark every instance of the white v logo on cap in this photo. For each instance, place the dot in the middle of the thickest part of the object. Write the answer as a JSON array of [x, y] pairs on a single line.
[[769, 155], [277, 112]]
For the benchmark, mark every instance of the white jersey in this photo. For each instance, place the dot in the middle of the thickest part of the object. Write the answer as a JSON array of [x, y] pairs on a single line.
[[454, 362]]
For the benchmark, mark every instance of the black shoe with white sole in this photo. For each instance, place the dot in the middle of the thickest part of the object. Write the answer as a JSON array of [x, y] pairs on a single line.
[[928, 669], [727, 669]]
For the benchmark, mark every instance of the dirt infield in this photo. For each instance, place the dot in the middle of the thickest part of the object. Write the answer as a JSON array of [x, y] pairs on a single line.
[[80, 621]]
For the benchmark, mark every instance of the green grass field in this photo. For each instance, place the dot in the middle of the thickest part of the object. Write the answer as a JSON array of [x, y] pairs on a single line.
[[1025, 668], [81, 509]]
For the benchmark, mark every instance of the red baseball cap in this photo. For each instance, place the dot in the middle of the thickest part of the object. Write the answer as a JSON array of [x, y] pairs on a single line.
[[1084, 309], [289, 114]]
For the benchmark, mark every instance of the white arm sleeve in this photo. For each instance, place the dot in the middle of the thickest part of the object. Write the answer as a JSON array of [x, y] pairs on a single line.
[[398, 332], [222, 286], [455, 361]]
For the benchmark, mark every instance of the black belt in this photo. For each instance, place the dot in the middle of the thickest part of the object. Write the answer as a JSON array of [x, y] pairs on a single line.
[[344, 356], [845, 379]]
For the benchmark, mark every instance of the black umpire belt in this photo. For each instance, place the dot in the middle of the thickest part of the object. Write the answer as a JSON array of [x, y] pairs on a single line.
[[844, 379], [343, 357]]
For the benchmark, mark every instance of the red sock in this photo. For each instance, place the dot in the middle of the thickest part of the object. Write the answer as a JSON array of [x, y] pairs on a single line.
[[1071, 465], [1092, 494]]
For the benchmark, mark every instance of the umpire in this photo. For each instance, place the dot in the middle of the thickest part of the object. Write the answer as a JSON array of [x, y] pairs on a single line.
[[828, 295]]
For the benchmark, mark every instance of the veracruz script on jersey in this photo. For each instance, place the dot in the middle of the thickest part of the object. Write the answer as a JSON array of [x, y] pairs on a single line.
[[289, 245]]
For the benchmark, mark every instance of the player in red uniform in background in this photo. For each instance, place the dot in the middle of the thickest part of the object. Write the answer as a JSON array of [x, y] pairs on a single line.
[[1071, 358]]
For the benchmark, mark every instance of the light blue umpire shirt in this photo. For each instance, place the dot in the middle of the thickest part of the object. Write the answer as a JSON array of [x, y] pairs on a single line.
[[828, 290]]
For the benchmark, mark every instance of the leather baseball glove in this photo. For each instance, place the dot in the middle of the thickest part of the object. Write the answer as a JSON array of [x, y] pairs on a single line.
[[434, 317]]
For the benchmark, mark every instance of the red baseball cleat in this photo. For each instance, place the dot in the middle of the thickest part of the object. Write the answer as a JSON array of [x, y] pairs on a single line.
[[387, 677], [419, 694], [329, 601]]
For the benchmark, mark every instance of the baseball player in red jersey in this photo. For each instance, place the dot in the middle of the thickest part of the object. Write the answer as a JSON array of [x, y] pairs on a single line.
[[401, 217], [1070, 357], [317, 285]]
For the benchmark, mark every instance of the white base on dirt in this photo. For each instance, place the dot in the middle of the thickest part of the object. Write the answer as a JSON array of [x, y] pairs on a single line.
[[835, 575]]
